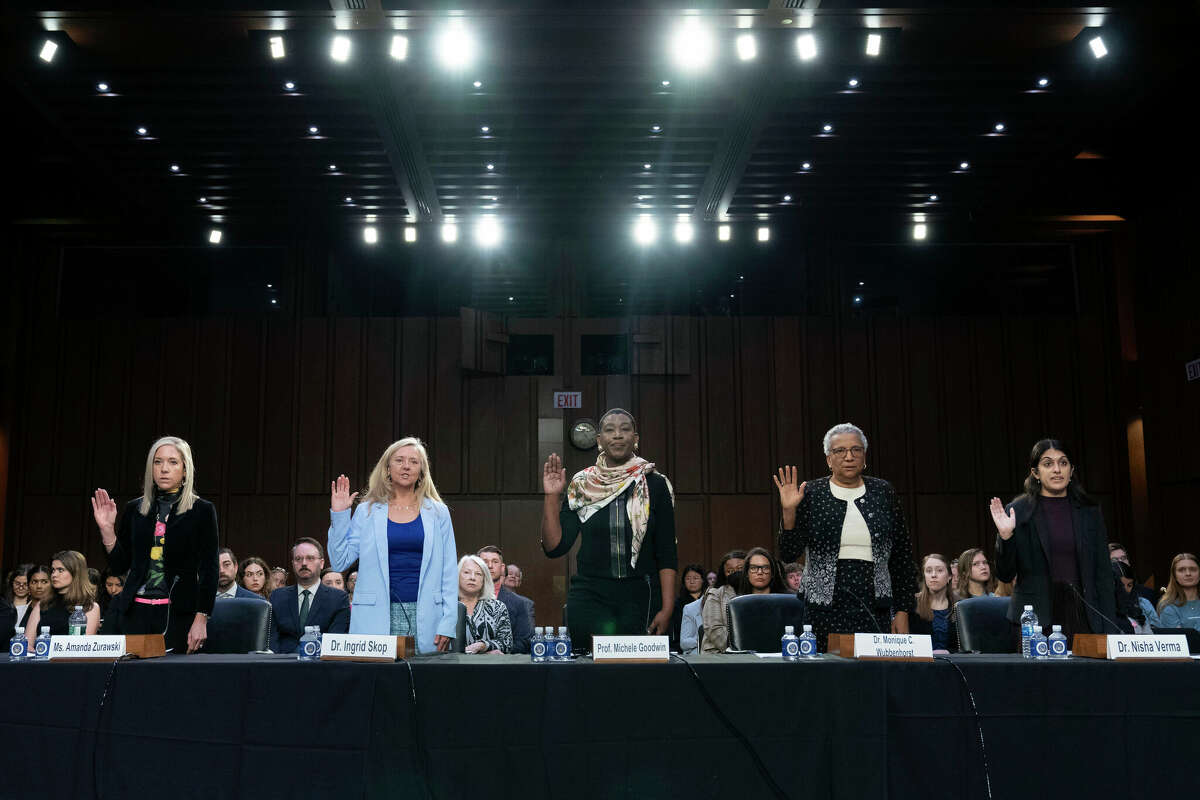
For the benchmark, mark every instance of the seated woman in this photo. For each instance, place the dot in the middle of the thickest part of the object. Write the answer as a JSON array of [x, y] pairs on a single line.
[[38, 578], [690, 627], [712, 607], [975, 578], [935, 605], [70, 588], [18, 591], [489, 630], [333, 579], [255, 576], [1137, 609], [762, 574], [691, 589], [1180, 605]]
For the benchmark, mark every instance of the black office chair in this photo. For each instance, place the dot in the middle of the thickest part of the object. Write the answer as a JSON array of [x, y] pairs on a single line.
[[756, 621], [983, 625], [239, 625], [460, 630]]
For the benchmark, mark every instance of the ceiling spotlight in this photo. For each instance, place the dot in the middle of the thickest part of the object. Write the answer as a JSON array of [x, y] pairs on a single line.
[[203, 200], [349, 199], [449, 233], [647, 166], [174, 168], [313, 130], [683, 232], [487, 232], [274, 302], [1043, 82], [666, 83], [806, 46], [512, 299], [276, 46], [290, 86], [764, 234], [964, 165], [478, 84], [691, 45], [214, 236], [339, 50], [102, 87], [827, 128], [919, 217], [455, 48], [410, 234], [399, 50], [141, 131], [645, 231], [919, 231], [485, 128], [370, 234], [270, 286], [874, 42], [998, 127], [852, 83], [1097, 45], [48, 51], [724, 233], [857, 300], [656, 128], [333, 167], [807, 165], [491, 167], [933, 198], [747, 47], [787, 198]]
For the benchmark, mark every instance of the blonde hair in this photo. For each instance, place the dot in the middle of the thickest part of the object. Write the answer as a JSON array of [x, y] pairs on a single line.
[[187, 489], [80, 592], [489, 588], [379, 484], [925, 597], [1173, 595]]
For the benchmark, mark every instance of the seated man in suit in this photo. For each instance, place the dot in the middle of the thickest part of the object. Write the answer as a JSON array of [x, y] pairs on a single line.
[[227, 569], [308, 602], [520, 609]]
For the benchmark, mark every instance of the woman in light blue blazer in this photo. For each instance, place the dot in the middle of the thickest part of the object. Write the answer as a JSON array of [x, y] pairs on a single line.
[[403, 539]]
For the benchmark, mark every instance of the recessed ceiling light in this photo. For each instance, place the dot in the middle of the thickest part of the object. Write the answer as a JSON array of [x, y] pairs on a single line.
[[874, 42], [370, 234], [449, 233], [1043, 82], [48, 50], [724, 233], [964, 165], [857, 300], [787, 21], [933, 198], [1097, 45], [747, 47], [313, 130], [485, 128], [852, 83], [998, 127], [410, 234], [339, 48], [141, 131], [491, 167], [684, 232], [862, 283], [919, 231], [349, 199], [764, 234], [478, 84], [270, 286], [214, 236], [455, 48], [332, 167], [174, 168], [512, 299], [827, 128], [289, 86], [488, 232], [806, 46], [691, 45], [666, 83], [203, 199], [656, 128], [274, 302], [918, 217], [276, 46], [399, 50], [806, 165], [647, 166], [787, 198], [102, 87], [645, 231]]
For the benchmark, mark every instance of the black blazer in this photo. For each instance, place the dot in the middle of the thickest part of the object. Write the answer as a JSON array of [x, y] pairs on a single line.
[[520, 614], [189, 563], [329, 610], [1025, 557]]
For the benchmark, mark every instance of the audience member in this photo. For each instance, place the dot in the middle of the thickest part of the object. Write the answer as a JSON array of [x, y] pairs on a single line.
[[227, 574], [1117, 552], [333, 579], [975, 578], [520, 609], [254, 576], [8, 617], [691, 589], [793, 573], [279, 578], [71, 587], [513, 576], [1180, 605], [351, 581], [17, 591], [489, 629], [38, 578], [935, 615], [711, 579], [1132, 606], [691, 627], [309, 602], [715, 637], [762, 574]]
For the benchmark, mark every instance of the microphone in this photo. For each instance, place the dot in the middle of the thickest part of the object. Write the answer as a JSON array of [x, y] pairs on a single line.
[[1079, 594], [870, 614]]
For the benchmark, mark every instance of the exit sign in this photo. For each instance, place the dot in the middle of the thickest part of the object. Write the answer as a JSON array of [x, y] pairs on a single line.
[[568, 399]]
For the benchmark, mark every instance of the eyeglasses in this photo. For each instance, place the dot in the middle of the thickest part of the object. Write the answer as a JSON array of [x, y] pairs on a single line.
[[840, 452], [760, 568], [305, 559]]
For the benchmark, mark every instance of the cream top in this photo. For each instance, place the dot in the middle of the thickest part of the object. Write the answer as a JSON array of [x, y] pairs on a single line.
[[856, 537]]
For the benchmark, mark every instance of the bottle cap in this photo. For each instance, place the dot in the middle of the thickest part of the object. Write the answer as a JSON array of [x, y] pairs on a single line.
[[1029, 608], [79, 608], [1056, 628], [788, 629], [808, 628], [45, 629]]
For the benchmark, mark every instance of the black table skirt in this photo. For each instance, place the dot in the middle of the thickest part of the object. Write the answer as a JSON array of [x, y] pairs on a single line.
[[488, 726]]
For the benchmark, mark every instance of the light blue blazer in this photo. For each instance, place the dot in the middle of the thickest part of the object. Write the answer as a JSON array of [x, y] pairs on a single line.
[[365, 538]]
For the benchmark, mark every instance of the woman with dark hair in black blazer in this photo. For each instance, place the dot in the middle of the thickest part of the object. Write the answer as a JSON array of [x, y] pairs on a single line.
[[167, 541], [1052, 540]]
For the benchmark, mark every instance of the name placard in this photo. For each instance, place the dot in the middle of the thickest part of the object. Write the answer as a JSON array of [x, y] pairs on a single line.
[[1172, 646], [630, 649], [65, 648], [893, 645], [357, 647]]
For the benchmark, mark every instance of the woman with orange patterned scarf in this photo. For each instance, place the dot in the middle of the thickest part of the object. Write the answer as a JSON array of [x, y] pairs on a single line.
[[624, 512]]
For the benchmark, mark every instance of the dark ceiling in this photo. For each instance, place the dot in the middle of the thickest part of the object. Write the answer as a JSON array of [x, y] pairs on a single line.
[[571, 98]]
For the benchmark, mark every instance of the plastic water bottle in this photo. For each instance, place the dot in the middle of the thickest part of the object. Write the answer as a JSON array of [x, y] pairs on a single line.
[[1058, 642], [1037, 644], [562, 644], [1029, 623], [77, 622], [537, 646], [808, 643], [18, 647], [41, 645], [790, 644], [310, 644]]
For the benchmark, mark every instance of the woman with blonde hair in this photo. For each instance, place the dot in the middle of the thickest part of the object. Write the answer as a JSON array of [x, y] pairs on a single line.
[[167, 541], [975, 576], [489, 628], [402, 537], [70, 587], [1180, 604]]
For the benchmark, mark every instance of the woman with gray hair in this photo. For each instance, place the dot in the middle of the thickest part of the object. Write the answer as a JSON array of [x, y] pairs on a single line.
[[858, 574]]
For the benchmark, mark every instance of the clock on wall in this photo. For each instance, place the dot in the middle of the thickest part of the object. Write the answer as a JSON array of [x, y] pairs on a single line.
[[583, 434]]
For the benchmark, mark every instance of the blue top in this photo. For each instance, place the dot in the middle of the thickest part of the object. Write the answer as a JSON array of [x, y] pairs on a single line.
[[941, 629], [1184, 616], [405, 541]]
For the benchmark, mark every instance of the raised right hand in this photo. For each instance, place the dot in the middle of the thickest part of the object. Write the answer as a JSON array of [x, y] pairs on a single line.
[[339, 494], [104, 510], [1005, 523], [554, 475], [790, 494]]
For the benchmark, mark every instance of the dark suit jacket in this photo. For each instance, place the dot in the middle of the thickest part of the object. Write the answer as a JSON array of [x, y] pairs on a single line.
[[8, 618], [189, 564], [242, 591], [1025, 557], [520, 614], [330, 611]]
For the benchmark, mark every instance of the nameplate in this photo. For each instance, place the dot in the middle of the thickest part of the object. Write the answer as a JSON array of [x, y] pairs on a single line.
[[905, 646], [359, 647], [92, 648], [1156, 647], [630, 649]]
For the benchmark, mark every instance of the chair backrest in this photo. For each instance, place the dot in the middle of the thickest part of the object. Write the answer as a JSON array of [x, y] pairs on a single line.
[[756, 621], [239, 625], [460, 630], [983, 625]]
